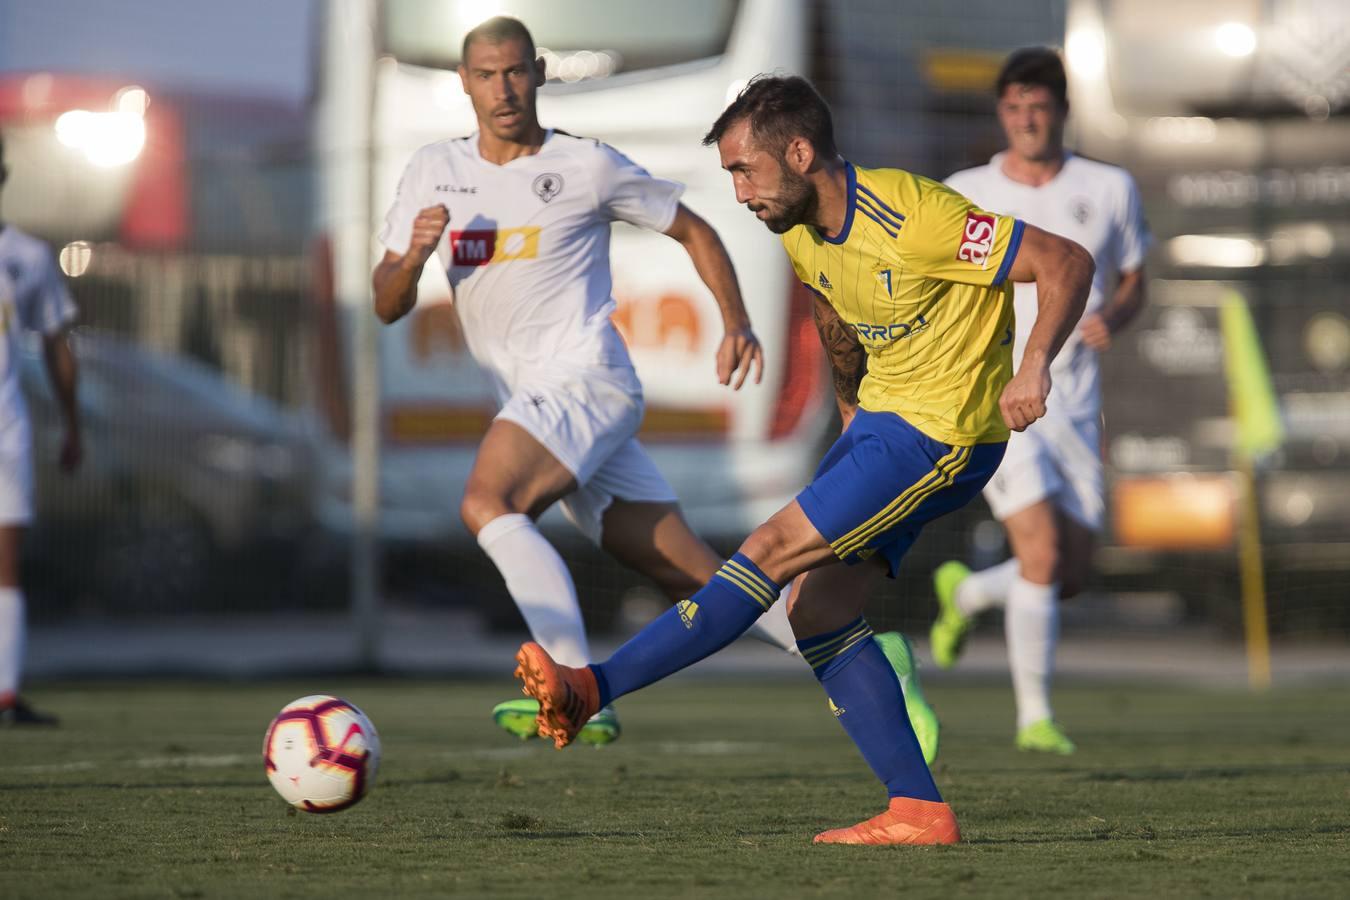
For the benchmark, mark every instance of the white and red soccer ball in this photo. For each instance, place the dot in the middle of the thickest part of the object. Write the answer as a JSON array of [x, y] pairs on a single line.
[[321, 754]]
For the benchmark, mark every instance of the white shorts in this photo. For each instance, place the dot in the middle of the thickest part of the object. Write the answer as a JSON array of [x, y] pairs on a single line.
[[1056, 459], [16, 475], [588, 419]]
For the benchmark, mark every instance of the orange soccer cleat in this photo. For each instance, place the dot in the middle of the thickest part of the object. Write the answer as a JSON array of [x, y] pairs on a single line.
[[907, 821], [567, 697]]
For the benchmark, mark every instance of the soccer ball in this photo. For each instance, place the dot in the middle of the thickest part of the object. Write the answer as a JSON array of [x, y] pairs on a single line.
[[321, 754]]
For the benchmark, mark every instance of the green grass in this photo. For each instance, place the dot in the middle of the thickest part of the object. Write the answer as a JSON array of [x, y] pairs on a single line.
[[156, 789]]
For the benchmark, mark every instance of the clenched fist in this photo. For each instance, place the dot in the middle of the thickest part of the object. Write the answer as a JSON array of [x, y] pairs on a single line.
[[1023, 400], [426, 235]]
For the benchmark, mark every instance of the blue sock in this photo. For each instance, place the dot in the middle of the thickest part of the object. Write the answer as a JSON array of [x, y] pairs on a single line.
[[866, 699], [689, 631]]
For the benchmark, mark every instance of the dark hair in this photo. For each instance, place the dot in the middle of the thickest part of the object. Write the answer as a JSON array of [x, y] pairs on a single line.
[[1034, 65], [779, 108], [495, 31]]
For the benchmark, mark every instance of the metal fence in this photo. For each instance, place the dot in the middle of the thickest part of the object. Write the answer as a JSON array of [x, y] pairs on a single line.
[[214, 467]]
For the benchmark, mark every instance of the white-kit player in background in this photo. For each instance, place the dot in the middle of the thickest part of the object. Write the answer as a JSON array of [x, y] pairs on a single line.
[[1048, 491], [528, 211], [33, 297]]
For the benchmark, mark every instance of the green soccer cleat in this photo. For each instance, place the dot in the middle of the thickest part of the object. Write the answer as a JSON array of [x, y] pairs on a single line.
[[518, 717], [921, 716], [948, 636], [1045, 736], [601, 728]]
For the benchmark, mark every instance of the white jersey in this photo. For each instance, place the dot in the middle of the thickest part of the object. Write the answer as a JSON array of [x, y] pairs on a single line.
[[1092, 203], [33, 296], [527, 248]]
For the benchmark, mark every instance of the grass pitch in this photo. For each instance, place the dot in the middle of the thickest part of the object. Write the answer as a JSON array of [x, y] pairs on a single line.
[[156, 789]]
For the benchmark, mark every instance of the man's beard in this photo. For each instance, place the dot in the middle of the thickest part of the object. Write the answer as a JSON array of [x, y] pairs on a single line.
[[799, 203]]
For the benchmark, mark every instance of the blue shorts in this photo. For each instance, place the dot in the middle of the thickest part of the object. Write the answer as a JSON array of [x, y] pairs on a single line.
[[883, 480]]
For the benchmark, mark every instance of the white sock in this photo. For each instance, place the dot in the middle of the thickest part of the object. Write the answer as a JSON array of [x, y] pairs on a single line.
[[539, 582], [986, 588], [773, 627], [1031, 622], [11, 641]]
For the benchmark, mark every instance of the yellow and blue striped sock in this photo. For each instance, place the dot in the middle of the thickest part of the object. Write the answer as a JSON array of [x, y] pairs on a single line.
[[865, 697], [693, 629]]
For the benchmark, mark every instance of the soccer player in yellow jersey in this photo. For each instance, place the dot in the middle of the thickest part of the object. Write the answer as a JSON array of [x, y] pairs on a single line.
[[914, 303]]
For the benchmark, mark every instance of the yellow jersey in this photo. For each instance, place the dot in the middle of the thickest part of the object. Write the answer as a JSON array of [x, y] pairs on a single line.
[[921, 273]]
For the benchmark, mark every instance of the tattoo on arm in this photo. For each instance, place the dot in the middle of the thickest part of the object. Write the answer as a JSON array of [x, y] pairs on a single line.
[[848, 361]]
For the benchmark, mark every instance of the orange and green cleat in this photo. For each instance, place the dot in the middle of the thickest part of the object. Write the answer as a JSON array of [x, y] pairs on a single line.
[[521, 718], [567, 697], [907, 821]]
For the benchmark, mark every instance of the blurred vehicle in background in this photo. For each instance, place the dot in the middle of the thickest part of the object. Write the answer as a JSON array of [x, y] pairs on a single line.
[[180, 219], [1235, 120], [188, 484], [649, 77], [153, 169], [118, 169]]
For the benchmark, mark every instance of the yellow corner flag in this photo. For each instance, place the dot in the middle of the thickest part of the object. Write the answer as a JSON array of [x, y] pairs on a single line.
[[1250, 393], [1258, 431]]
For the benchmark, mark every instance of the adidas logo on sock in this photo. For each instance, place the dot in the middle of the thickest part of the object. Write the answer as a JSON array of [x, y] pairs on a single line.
[[688, 609]]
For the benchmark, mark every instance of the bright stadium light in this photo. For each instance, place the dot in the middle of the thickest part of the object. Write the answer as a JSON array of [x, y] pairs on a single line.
[[106, 139], [1235, 39], [1085, 50]]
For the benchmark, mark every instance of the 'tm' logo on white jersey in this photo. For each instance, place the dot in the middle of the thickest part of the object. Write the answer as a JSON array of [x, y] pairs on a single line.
[[479, 247]]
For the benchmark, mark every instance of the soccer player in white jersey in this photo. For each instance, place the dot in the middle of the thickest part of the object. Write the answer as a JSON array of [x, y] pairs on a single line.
[[32, 297], [528, 211], [1048, 492]]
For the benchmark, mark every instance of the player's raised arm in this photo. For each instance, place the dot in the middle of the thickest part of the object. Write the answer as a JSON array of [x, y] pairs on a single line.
[[1063, 271], [740, 348], [848, 360], [395, 278]]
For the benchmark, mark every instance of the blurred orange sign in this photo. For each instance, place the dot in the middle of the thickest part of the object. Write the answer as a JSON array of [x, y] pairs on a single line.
[[1175, 512]]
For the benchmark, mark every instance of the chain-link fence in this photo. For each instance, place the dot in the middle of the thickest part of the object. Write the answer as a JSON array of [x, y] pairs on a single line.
[[215, 459]]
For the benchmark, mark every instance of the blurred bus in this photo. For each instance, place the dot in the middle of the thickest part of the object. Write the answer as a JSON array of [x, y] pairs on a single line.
[[1234, 118], [648, 77]]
